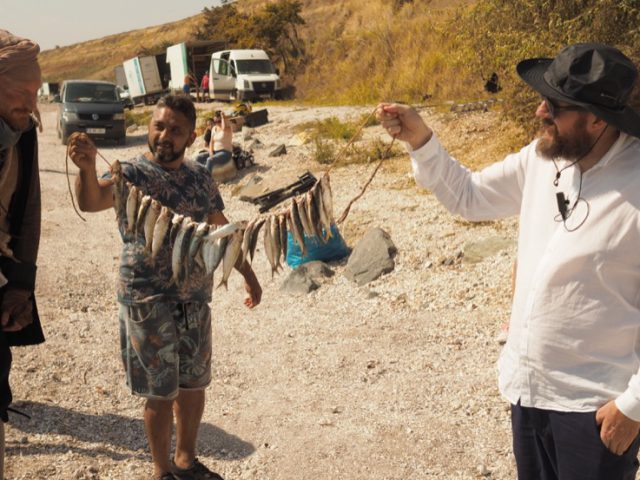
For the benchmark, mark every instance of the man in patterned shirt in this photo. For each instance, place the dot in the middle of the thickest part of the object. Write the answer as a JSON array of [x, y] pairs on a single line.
[[165, 326]]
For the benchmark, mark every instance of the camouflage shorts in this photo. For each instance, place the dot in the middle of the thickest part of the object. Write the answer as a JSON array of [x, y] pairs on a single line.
[[166, 347]]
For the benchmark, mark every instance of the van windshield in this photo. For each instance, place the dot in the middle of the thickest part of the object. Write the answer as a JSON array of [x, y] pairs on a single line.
[[91, 92], [254, 66]]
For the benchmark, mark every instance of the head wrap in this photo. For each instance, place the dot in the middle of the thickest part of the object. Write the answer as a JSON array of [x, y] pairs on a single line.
[[17, 52]]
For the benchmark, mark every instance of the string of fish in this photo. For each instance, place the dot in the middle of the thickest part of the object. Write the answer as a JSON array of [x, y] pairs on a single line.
[[309, 214], [190, 242]]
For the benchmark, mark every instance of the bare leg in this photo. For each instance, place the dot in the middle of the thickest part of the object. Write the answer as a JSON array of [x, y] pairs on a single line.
[[158, 423], [188, 409]]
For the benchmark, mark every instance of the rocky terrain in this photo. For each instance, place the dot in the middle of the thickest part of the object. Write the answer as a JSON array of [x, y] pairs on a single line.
[[391, 380]]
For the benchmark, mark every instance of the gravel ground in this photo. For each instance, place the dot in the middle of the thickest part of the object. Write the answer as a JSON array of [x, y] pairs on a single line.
[[392, 380]]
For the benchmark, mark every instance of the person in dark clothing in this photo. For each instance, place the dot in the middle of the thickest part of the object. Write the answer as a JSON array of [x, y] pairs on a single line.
[[492, 85], [19, 207]]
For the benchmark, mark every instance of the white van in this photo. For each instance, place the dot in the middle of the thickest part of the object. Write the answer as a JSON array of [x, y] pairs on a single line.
[[242, 75]]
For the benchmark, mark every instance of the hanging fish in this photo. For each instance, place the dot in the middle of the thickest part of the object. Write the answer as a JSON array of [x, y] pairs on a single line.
[[160, 230], [153, 212], [231, 254], [132, 208]]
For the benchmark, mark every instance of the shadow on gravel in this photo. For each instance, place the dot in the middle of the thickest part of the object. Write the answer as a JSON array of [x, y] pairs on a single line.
[[116, 430]]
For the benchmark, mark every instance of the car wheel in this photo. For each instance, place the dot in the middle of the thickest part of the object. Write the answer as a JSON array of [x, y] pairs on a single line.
[[122, 140]]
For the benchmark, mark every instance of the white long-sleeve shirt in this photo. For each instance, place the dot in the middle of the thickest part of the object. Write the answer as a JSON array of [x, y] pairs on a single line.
[[574, 335]]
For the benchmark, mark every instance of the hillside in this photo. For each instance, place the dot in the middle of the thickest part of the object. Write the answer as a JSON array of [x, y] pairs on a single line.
[[96, 59], [330, 27], [360, 52]]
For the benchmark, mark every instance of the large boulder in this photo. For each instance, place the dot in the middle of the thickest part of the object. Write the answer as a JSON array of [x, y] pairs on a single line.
[[279, 151], [371, 258], [307, 278], [224, 172]]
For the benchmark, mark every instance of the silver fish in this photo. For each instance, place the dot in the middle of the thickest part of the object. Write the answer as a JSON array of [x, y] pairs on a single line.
[[176, 223], [180, 248], [145, 203], [119, 200], [153, 212], [314, 216], [275, 242], [304, 218], [327, 196], [160, 230], [246, 239], [231, 254], [324, 219], [282, 219], [224, 230], [212, 253], [268, 244], [196, 239], [253, 241], [132, 208], [295, 226]]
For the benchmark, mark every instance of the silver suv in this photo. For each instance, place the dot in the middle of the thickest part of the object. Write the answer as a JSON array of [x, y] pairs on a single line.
[[92, 107]]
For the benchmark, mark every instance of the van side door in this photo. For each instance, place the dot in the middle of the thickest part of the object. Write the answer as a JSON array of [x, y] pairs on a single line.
[[221, 82]]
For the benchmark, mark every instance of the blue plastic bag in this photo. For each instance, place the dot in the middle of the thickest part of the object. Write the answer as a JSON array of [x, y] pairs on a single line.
[[334, 249]]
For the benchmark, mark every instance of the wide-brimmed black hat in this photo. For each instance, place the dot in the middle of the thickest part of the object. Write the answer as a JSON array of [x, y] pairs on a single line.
[[597, 77]]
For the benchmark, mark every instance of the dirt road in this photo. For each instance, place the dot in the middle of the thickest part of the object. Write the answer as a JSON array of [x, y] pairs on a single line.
[[394, 380]]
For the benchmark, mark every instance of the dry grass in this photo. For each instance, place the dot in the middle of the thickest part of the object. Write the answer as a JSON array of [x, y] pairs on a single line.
[[96, 59]]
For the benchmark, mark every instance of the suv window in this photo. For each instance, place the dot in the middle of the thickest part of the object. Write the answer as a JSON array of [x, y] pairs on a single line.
[[90, 92]]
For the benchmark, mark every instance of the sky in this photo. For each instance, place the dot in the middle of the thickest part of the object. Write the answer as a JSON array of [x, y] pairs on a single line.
[[53, 23]]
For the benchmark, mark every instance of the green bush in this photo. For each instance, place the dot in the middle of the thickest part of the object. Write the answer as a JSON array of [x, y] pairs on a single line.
[[324, 152], [330, 129], [503, 32]]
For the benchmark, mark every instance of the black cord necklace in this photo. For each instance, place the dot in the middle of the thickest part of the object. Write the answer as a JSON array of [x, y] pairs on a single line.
[[563, 203]]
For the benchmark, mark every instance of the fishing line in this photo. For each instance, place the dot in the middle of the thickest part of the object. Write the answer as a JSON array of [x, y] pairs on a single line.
[[66, 168]]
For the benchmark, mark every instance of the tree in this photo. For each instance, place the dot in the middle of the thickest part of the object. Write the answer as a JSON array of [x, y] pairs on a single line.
[[273, 29]]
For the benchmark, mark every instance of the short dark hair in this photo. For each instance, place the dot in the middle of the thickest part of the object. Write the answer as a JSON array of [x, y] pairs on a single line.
[[182, 104]]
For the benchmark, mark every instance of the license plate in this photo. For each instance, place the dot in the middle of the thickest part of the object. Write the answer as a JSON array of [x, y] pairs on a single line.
[[96, 130]]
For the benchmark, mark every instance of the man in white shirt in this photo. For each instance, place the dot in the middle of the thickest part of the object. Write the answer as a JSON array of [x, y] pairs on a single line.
[[570, 364]]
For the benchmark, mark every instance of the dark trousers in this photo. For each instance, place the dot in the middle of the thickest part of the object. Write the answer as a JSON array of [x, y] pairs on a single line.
[[5, 367], [550, 445]]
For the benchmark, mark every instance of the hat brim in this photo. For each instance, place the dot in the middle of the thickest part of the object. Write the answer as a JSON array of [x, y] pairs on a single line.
[[532, 72]]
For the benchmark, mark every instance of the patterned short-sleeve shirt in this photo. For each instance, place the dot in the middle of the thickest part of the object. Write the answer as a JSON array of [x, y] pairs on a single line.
[[188, 190]]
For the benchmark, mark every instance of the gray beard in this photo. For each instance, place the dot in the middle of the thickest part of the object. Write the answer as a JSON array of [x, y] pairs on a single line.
[[572, 147]]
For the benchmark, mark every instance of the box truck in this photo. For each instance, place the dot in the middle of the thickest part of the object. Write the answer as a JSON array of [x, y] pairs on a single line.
[[147, 77], [242, 75], [121, 78], [194, 57]]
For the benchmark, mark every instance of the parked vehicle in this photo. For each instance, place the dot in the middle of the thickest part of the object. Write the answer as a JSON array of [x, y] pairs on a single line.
[[121, 78], [90, 106], [242, 75], [194, 57], [48, 90], [145, 77], [125, 98]]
